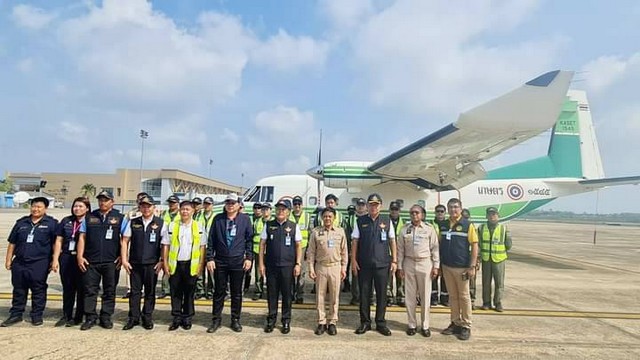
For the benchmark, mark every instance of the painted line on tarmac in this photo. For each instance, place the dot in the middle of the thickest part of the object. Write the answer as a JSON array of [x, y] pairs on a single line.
[[262, 304]]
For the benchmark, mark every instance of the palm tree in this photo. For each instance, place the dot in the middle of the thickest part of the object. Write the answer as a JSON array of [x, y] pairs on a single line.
[[88, 190]]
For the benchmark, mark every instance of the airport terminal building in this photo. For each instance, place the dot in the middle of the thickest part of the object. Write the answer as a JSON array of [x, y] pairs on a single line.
[[124, 184]]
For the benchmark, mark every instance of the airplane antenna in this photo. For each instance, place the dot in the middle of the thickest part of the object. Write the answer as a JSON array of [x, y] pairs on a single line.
[[319, 164], [595, 221]]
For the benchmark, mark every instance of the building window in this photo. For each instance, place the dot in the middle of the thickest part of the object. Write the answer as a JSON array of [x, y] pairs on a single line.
[[119, 190]]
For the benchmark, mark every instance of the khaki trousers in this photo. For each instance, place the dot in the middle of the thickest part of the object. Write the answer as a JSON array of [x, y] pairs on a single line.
[[327, 280], [459, 297], [417, 282]]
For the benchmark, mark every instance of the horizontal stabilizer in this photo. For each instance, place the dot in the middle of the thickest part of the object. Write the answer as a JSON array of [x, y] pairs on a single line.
[[604, 182]]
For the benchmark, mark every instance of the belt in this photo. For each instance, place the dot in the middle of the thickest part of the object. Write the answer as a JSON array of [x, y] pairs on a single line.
[[327, 264], [417, 258]]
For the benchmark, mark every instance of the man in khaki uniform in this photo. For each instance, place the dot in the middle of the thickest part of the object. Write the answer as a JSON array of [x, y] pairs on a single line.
[[418, 265], [327, 257]]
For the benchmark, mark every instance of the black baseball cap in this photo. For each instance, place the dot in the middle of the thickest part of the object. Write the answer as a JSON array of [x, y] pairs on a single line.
[[285, 203], [361, 201], [257, 205], [351, 208], [173, 199], [41, 199], [394, 205], [105, 194], [146, 199], [266, 206], [208, 200], [492, 209], [374, 198], [297, 200], [196, 200]]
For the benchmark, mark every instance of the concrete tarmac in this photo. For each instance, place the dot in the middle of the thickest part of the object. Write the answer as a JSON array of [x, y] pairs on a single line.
[[565, 298]]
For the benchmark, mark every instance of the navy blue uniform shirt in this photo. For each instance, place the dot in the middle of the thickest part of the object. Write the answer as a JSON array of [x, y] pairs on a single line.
[[41, 245]]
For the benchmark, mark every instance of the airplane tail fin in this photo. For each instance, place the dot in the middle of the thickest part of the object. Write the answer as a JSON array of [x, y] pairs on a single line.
[[573, 149]]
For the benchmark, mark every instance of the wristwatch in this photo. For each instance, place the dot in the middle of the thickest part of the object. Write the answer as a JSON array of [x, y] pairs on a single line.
[[298, 264]]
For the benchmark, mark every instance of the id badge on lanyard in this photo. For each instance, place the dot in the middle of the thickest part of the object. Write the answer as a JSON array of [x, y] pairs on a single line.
[[383, 235], [72, 245], [109, 234], [152, 237], [30, 236], [448, 235], [233, 230], [287, 240], [330, 243]]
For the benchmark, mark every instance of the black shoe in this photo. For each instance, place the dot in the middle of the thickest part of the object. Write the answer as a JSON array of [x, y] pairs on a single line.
[[299, 301], [499, 308], [354, 302], [425, 333], [186, 325], [106, 324], [402, 304], [451, 330], [390, 302], [130, 324], [235, 325], [411, 331], [147, 325], [175, 324], [255, 297], [434, 303], [127, 295], [286, 328], [269, 328], [320, 329], [62, 322], [87, 325], [363, 328], [465, 334], [331, 330], [209, 297], [199, 296], [215, 325], [11, 320], [162, 295], [485, 307], [71, 323], [383, 330], [77, 321], [37, 322]]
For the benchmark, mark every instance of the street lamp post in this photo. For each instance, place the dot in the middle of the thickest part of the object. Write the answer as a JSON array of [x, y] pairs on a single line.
[[143, 135], [210, 163]]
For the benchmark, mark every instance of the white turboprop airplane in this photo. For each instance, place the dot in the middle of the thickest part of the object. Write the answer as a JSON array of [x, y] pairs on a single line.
[[447, 163]]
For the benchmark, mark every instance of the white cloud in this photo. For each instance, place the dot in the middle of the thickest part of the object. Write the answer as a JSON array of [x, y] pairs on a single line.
[[345, 15], [286, 123], [31, 17], [604, 71], [297, 165], [285, 52], [153, 158], [425, 56], [73, 133], [229, 135], [25, 65]]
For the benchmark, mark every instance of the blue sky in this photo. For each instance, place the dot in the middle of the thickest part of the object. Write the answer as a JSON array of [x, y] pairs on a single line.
[[250, 83]]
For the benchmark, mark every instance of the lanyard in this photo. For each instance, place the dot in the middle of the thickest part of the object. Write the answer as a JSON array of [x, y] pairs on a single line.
[[76, 227]]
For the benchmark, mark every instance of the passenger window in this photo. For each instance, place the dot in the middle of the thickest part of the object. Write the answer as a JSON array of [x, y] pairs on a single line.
[[422, 203], [313, 201]]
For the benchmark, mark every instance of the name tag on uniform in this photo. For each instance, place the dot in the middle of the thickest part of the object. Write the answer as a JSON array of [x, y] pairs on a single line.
[[449, 235], [330, 243], [495, 241], [30, 238], [287, 240], [72, 245], [416, 240], [152, 237], [383, 235], [233, 231], [109, 234]]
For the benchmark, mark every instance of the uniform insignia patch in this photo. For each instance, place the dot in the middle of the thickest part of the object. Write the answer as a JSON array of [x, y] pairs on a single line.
[[287, 229], [154, 226], [94, 220], [136, 226], [458, 228], [113, 221], [365, 225], [382, 226]]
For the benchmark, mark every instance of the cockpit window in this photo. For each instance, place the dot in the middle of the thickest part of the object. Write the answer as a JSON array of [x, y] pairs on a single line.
[[266, 195], [253, 194]]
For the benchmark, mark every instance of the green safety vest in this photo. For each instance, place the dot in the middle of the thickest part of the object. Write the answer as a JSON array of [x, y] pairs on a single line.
[[206, 223], [175, 246], [493, 246], [258, 225], [304, 227]]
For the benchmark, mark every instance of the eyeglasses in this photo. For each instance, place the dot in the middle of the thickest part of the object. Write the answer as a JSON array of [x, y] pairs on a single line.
[[440, 211]]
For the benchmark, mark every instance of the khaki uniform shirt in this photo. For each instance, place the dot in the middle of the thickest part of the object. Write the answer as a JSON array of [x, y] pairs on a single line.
[[418, 242], [327, 247]]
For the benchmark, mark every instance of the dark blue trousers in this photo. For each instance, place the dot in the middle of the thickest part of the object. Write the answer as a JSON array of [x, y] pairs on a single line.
[[72, 288], [25, 277]]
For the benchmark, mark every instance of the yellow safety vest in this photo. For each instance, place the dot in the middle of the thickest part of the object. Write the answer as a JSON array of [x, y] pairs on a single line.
[[258, 225], [204, 222], [304, 227], [167, 218], [493, 247], [175, 246], [337, 222]]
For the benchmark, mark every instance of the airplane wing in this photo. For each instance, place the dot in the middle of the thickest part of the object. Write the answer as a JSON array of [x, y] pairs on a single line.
[[450, 157]]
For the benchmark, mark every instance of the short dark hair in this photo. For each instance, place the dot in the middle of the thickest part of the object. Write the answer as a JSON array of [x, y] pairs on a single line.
[[440, 206], [424, 211], [331, 196], [328, 209], [185, 203], [454, 201]]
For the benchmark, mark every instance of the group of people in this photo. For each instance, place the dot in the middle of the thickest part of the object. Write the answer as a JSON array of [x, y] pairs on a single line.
[[212, 256]]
